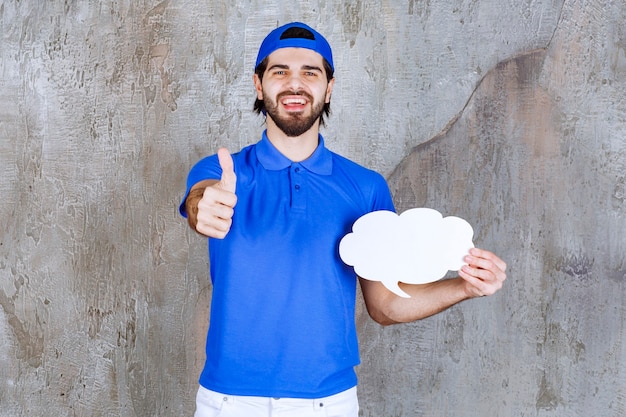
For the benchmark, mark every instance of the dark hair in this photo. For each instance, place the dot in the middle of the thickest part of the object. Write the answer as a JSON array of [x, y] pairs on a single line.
[[294, 32]]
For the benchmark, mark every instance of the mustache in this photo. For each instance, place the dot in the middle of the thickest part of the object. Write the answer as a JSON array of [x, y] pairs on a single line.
[[295, 93]]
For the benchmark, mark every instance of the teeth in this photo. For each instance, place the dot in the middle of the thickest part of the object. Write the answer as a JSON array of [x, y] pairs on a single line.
[[294, 101]]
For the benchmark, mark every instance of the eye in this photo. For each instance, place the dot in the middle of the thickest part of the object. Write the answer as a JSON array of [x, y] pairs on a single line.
[[277, 71]]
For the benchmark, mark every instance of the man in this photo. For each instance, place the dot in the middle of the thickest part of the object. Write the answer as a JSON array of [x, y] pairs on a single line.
[[282, 338]]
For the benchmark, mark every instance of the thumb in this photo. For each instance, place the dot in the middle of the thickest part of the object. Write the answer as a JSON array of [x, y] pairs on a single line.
[[228, 181]]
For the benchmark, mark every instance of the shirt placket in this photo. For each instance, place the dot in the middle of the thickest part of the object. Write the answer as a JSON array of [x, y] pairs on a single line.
[[298, 187]]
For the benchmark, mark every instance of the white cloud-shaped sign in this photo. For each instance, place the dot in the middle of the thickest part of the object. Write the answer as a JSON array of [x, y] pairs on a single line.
[[417, 247]]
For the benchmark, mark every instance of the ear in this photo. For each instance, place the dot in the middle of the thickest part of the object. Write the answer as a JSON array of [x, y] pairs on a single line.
[[258, 87], [329, 89]]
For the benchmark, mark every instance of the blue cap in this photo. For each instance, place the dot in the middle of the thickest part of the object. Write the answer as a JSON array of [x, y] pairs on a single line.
[[273, 42]]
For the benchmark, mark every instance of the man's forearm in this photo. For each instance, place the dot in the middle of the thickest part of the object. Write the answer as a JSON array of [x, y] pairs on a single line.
[[426, 300]]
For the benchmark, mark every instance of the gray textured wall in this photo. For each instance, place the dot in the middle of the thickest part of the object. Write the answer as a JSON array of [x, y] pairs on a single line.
[[511, 114]]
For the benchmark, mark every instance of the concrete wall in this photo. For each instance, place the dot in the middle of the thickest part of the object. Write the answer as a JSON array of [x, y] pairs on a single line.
[[511, 114]]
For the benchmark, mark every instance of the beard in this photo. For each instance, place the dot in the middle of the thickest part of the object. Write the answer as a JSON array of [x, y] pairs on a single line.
[[293, 124]]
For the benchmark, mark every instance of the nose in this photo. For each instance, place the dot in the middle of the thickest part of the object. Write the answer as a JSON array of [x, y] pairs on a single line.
[[295, 81]]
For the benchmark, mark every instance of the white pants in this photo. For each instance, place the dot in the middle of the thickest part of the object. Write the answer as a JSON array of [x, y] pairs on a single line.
[[213, 404]]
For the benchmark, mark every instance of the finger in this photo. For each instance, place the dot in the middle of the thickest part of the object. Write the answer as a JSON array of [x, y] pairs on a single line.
[[214, 197], [479, 273], [228, 181], [480, 285], [218, 231], [215, 223], [490, 256], [476, 285], [217, 203]]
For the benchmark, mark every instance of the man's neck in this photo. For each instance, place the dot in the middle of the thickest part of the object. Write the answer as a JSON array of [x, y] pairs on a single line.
[[295, 148]]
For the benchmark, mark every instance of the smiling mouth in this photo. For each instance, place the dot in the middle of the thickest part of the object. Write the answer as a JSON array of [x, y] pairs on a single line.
[[293, 101]]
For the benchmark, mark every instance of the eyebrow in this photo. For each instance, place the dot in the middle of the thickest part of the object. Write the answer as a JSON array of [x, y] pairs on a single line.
[[312, 67], [279, 66], [304, 67]]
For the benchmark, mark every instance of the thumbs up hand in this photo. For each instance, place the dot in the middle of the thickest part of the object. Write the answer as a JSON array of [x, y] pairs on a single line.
[[216, 207]]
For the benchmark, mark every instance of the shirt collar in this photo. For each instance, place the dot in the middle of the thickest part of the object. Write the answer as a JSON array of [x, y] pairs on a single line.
[[320, 162]]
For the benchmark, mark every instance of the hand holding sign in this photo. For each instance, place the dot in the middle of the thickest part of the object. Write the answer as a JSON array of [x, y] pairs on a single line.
[[417, 247]]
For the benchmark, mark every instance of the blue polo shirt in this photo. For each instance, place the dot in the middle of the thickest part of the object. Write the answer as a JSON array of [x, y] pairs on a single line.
[[283, 304]]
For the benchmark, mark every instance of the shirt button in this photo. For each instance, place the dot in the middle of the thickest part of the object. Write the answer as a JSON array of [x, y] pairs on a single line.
[[297, 187], [297, 169]]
